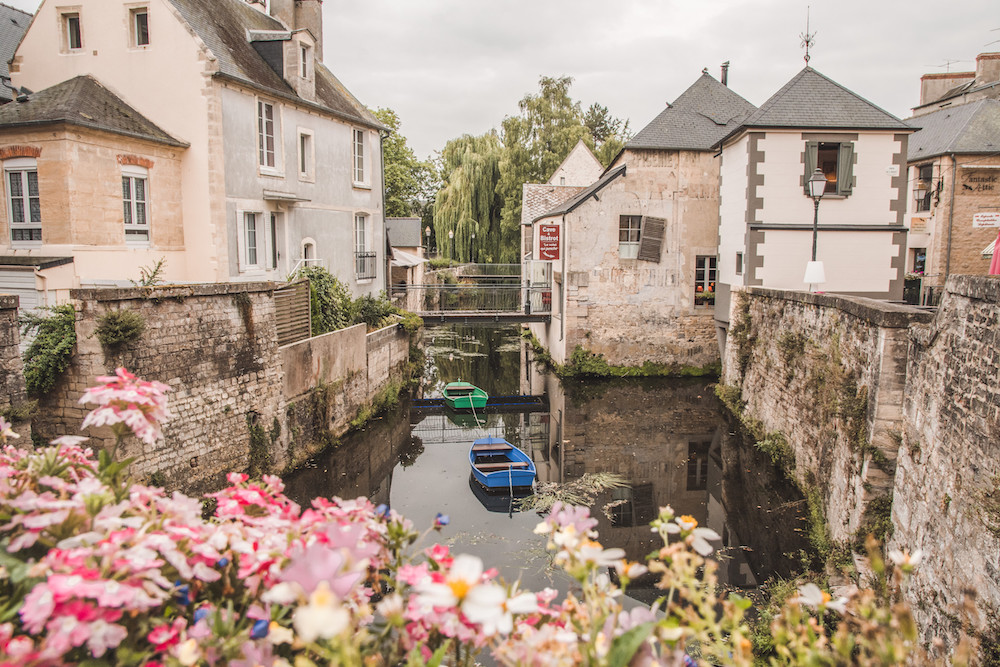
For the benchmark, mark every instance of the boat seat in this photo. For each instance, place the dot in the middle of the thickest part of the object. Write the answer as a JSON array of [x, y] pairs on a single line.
[[491, 447], [501, 466]]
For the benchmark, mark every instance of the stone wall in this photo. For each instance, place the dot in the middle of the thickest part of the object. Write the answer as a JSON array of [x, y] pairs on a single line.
[[821, 380], [947, 487], [12, 391]]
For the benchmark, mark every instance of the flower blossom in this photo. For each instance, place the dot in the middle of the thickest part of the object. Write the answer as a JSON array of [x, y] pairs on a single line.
[[813, 596], [124, 399], [906, 561]]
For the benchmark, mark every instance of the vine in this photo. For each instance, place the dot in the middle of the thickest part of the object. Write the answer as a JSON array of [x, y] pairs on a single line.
[[49, 354]]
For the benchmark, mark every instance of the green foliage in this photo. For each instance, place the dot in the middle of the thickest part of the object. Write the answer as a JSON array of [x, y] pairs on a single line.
[[411, 321], [776, 446], [260, 446], [877, 521], [409, 183], [441, 263], [376, 312], [117, 328], [731, 397], [773, 595], [386, 399], [19, 413], [48, 356], [741, 333], [329, 298], [150, 276], [819, 534], [585, 363]]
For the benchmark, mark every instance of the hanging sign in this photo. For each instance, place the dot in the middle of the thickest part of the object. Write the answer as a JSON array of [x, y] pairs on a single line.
[[548, 242], [991, 219]]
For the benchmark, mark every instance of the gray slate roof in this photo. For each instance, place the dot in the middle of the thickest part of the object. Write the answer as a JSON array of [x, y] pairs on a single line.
[[13, 23], [82, 101], [813, 101], [967, 128], [703, 114], [537, 198], [573, 202], [223, 25], [403, 232]]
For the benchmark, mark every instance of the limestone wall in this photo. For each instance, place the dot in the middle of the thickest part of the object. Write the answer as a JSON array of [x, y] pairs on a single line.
[[12, 392], [821, 378], [947, 487]]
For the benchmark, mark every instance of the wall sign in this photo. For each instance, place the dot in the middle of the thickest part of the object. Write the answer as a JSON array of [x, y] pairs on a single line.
[[548, 242], [980, 182], [990, 219]]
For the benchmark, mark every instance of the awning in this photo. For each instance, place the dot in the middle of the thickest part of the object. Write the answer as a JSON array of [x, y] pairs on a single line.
[[406, 259], [988, 250], [275, 195]]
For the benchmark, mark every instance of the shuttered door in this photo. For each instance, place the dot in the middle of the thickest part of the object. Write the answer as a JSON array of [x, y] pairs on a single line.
[[291, 312], [651, 238], [21, 283]]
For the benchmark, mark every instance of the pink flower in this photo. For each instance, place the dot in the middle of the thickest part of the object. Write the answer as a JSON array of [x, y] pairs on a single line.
[[125, 399]]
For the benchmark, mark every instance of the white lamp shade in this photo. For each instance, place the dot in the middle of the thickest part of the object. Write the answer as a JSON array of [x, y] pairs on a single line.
[[815, 275], [817, 184]]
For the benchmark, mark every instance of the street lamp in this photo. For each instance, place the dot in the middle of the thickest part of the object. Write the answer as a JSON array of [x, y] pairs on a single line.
[[472, 248], [451, 239], [427, 239], [815, 274]]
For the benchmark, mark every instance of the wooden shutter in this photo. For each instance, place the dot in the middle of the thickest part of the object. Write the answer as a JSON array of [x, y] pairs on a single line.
[[811, 158], [845, 169], [292, 312], [651, 238]]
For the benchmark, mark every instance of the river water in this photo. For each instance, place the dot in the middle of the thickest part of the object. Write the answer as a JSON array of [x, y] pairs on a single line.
[[668, 437]]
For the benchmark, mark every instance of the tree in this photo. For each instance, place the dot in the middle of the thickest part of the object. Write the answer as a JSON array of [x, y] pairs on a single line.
[[408, 181], [609, 133], [468, 202]]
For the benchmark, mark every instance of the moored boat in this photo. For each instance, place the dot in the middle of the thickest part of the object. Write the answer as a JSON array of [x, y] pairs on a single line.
[[497, 464], [464, 396]]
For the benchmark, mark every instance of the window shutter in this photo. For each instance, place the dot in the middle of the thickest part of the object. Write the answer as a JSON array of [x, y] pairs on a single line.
[[812, 156], [651, 238], [845, 169]]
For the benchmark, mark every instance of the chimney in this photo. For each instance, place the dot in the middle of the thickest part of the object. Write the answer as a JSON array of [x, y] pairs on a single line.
[[987, 68], [284, 11], [725, 74], [309, 15]]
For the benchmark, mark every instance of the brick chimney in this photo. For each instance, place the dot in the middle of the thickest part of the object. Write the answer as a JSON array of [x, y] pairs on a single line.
[[987, 68], [299, 14], [934, 86]]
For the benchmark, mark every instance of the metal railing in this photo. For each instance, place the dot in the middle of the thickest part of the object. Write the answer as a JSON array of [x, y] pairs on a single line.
[[490, 270], [365, 265]]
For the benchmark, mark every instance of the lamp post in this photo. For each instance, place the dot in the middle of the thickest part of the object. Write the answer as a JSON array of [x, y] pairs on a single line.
[[451, 239], [472, 249], [815, 274], [427, 240]]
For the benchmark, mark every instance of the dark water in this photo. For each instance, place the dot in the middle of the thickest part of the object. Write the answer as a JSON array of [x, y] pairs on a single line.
[[668, 438]]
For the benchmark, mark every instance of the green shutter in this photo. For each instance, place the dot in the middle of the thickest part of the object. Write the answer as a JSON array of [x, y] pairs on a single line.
[[812, 155], [845, 169]]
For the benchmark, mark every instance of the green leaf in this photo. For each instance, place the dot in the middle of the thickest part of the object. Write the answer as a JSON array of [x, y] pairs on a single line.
[[625, 646], [740, 602]]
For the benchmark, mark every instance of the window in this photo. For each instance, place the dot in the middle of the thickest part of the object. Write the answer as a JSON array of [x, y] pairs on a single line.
[[925, 186], [139, 20], [273, 238], [72, 34], [364, 259], [304, 58], [704, 280], [628, 236], [836, 161], [135, 199], [306, 155], [697, 466], [739, 264], [265, 133], [23, 202], [250, 238], [359, 156], [919, 260]]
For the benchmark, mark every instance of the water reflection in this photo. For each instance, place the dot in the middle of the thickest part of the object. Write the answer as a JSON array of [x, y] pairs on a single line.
[[668, 438]]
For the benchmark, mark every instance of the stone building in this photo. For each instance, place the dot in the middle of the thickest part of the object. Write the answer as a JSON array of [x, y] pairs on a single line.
[[948, 89], [13, 23], [221, 143], [954, 210], [766, 215], [633, 256]]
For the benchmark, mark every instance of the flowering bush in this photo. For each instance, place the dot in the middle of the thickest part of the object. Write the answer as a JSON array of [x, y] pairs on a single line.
[[100, 571]]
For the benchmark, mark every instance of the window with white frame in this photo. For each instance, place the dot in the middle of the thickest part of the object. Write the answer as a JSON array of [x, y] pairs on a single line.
[[135, 200], [272, 237], [139, 26], [705, 274], [251, 251], [360, 233], [364, 258], [359, 156], [24, 209], [266, 134], [305, 56], [306, 155], [72, 30], [628, 236]]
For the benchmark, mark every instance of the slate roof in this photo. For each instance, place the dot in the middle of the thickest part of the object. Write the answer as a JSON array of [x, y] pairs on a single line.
[[813, 101], [83, 101], [403, 232], [573, 202], [967, 128], [702, 115], [13, 23], [537, 198], [223, 26]]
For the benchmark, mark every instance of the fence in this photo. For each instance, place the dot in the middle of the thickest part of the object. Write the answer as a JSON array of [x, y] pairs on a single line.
[[292, 314]]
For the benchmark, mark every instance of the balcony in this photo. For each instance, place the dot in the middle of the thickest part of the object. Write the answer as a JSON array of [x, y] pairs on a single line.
[[365, 265]]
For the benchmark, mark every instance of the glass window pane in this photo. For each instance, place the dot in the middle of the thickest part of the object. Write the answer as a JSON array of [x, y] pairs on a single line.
[[17, 210], [35, 206], [14, 178], [140, 213], [126, 188], [140, 189], [141, 28], [32, 183]]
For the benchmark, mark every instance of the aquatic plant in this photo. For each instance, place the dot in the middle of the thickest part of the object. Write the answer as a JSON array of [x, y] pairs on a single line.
[[580, 491]]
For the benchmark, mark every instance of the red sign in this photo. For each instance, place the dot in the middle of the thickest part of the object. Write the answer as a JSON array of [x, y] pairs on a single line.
[[548, 242]]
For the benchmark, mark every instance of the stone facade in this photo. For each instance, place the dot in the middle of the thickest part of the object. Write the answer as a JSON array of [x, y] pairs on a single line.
[[216, 347], [947, 487], [12, 391]]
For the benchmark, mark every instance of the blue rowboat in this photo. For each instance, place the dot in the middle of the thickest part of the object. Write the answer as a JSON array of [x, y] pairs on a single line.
[[497, 464]]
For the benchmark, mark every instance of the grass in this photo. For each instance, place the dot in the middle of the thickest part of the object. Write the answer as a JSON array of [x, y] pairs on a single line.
[[581, 491]]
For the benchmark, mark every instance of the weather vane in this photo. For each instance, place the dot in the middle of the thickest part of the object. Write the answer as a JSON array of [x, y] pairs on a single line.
[[808, 38]]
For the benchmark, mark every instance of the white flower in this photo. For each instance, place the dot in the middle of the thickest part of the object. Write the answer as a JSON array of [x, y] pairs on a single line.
[[630, 569], [904, 560], [593, 552], [700, 537], [284, 593], [465, 574], [489, 606], [812, 596], [323, 617]]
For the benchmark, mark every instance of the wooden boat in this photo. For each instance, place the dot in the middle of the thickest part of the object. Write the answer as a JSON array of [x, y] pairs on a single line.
[[497, 464], [499, 501], [464, 396]]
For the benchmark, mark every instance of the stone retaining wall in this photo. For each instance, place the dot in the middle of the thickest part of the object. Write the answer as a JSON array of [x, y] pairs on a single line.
[[12, 391]]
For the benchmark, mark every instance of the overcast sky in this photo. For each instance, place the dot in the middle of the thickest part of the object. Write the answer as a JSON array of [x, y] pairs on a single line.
[[450, 67]]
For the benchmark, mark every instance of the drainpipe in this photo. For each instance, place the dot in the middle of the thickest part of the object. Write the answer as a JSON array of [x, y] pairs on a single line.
[[382, 135], [951, 217], [562, 289]]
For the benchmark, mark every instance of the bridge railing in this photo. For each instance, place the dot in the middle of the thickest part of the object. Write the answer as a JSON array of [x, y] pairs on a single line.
[[482, 298], [491, 270]]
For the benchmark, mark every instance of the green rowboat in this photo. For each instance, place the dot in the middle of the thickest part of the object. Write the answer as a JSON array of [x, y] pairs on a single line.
[[464, 396]]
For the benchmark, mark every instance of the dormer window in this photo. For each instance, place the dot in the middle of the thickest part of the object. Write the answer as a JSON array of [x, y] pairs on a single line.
[[305, 56], [139, 24]]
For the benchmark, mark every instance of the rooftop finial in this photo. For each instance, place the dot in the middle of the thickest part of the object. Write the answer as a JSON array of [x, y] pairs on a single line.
[[808, 38]]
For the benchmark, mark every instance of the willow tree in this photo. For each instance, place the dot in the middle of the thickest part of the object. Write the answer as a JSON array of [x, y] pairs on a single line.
[[468, 205]]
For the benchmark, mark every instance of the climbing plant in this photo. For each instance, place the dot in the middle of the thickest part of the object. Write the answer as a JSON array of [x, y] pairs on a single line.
[[48, 356]]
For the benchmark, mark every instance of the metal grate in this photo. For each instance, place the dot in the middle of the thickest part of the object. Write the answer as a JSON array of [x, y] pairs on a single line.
[[365, 265]]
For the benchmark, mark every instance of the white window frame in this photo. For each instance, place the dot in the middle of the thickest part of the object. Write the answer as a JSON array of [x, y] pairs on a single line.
[[259, 241], [359, 155], [361, 239], [629, 249], [306, 157], [22, 166], [262, 153], [66, 16], [305, 58], [133, 173], [134, 12]]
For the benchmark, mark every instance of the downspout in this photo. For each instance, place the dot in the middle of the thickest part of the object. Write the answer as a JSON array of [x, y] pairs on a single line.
[[951, 217], [562, 287], [382, 135]]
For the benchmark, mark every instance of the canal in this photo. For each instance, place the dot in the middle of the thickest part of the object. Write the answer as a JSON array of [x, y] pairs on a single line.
[[669, 438]]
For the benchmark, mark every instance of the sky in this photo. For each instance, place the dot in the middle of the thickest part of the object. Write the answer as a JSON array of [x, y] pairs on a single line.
[[451, 67]]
